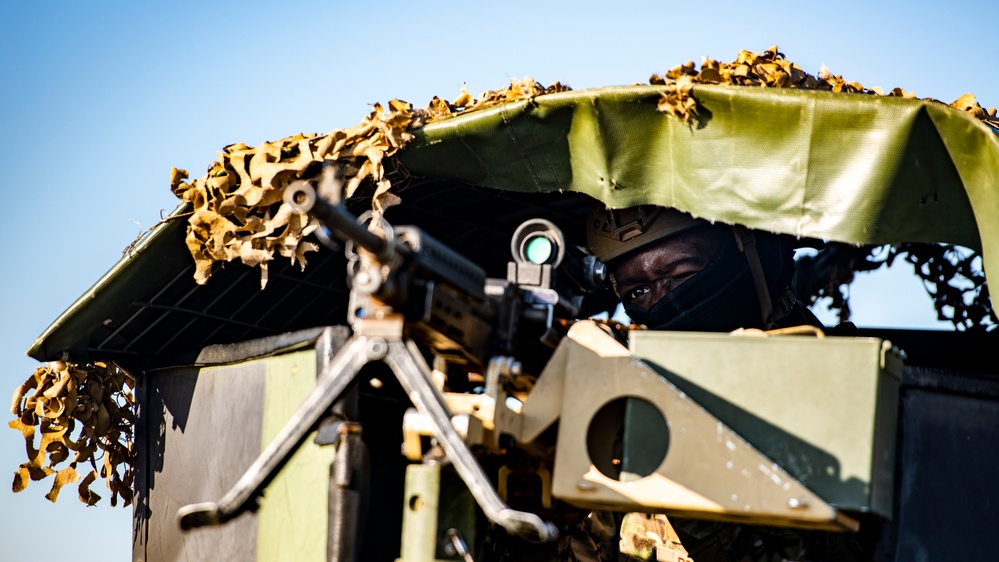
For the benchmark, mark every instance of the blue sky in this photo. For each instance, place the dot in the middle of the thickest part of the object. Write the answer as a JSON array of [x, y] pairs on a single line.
[[99, 100]]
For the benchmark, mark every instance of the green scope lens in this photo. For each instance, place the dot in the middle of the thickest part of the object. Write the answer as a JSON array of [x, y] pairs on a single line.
[[539, 249]]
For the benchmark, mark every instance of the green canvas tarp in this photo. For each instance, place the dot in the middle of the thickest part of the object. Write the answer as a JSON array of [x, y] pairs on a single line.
[[847, 167]]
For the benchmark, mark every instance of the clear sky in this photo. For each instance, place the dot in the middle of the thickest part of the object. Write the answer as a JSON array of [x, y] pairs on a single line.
[[98, 100]]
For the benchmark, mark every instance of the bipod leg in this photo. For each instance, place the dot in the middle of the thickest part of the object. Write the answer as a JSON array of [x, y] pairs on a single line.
[[411, 369], [334, 380]]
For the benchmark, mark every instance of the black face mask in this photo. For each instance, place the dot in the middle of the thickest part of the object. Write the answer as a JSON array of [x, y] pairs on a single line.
[[719, 298]]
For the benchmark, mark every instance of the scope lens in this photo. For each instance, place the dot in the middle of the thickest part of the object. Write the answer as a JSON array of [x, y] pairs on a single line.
[[538, 250]]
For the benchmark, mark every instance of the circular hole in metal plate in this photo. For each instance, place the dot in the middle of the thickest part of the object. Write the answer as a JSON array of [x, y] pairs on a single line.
[[627, 438]]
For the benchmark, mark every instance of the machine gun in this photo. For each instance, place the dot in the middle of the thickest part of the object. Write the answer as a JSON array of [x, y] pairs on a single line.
[[554, 388], [410, 293]]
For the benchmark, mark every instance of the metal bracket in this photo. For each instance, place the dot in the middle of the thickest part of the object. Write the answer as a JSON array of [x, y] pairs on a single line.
[[414, 376]]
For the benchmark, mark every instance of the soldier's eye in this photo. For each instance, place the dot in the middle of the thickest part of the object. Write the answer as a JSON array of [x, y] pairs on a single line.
[[637, 293]]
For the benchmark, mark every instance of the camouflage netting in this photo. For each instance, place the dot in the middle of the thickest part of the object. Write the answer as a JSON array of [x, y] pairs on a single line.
[[238, 212], [770, 69], [953, 277], [86, 410]]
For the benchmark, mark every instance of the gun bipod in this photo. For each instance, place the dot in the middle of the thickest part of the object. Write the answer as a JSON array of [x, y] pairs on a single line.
[[373, 340]]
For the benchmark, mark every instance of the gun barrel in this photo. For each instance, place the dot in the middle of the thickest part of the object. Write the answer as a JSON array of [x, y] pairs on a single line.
[[302, 197]]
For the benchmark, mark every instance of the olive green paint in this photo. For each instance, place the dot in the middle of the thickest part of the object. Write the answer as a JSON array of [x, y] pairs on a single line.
[[293, 518], [824, 409], [419, 519]]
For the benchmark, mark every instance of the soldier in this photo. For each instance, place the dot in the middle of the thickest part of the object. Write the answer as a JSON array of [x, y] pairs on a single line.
[[676, 272]]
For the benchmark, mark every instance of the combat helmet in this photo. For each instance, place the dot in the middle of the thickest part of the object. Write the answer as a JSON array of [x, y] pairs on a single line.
[[612, 233]]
